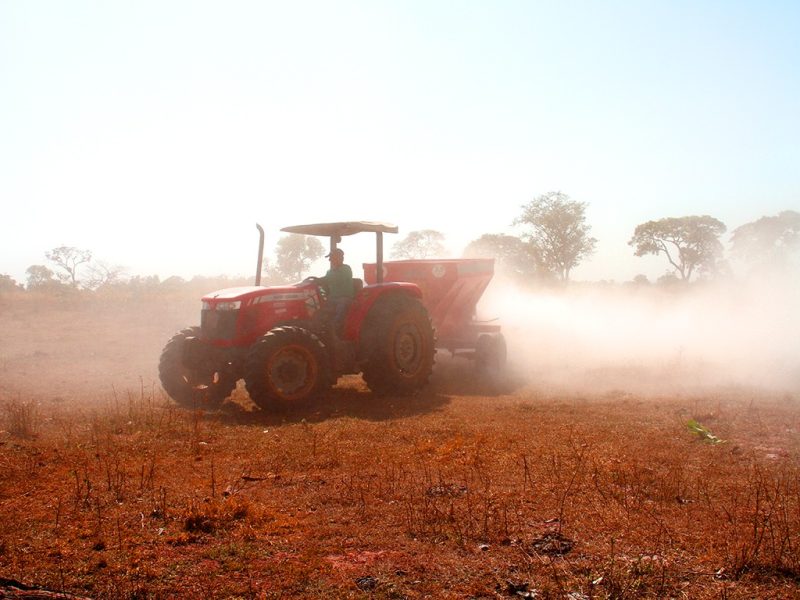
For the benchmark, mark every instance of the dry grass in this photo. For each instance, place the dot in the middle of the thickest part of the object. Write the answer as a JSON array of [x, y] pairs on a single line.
[[438, 496], [20, 417], [464, 491]]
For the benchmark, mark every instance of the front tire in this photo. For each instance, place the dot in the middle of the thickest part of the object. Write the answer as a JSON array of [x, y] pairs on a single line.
[[286, 365], [191, 386], [398, 345]]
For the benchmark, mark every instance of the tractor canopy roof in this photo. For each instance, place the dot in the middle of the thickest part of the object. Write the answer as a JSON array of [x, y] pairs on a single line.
[[342, 228]]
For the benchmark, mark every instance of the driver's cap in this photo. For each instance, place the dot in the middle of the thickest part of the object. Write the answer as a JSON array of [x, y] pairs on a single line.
[[335, 252]]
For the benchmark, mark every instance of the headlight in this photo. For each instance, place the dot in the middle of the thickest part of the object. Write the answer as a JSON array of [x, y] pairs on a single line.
[[236, 305]]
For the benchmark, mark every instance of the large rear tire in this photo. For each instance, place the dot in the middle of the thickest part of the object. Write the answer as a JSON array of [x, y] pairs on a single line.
[[191, 386], [286, 366], [398, 345]]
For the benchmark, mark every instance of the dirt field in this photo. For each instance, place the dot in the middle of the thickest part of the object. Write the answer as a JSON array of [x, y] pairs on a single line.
[[475, 488]]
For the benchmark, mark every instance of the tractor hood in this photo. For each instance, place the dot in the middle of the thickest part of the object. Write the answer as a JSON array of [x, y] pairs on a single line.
[[235, 293], [246, 293]]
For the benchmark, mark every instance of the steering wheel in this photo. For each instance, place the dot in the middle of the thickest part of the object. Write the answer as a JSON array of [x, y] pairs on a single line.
[[316, 281]]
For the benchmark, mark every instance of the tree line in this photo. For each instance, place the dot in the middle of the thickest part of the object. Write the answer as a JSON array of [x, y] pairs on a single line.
[[553, 239]]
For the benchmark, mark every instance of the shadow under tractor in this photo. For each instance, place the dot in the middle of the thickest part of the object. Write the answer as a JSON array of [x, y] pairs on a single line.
[[286, 345]]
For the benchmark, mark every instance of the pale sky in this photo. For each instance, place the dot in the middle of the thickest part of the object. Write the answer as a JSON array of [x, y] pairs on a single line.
[[156, 134]]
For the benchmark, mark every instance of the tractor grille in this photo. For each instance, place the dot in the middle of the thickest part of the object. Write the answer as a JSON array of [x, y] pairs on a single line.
[[218, 325]]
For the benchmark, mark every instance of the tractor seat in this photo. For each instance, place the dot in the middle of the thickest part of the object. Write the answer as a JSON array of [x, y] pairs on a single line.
[[358, 285]]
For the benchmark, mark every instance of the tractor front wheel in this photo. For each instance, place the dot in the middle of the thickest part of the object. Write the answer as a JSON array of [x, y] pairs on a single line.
[[398, 345], [192, 386], [286, 365]]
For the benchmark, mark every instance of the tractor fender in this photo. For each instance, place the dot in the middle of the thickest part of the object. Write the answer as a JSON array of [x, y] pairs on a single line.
[[366, 298]]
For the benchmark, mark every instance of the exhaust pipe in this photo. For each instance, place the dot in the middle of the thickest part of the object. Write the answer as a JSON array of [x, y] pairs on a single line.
[[260, 253], [379, 256]]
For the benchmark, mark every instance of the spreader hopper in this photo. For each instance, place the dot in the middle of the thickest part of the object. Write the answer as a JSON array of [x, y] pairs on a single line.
[[451, 289]]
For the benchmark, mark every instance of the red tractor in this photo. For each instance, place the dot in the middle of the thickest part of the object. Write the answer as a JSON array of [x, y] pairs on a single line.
[[283, 342]]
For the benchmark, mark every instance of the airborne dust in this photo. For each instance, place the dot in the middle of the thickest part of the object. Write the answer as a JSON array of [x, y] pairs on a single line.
[[652, 339], [588, 338]]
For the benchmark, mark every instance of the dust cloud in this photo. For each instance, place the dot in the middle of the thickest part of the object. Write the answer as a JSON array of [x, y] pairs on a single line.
[[652, 339], [586, 338], [88, 349]]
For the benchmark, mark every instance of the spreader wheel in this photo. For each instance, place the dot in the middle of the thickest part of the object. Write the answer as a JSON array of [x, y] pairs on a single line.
[[398, 345], [490, 352], [192, 386], [286, 365]]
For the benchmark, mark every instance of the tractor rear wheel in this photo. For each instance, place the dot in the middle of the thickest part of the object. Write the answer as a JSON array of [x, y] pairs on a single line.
[[192, 386], [398, 345], [286, 365]]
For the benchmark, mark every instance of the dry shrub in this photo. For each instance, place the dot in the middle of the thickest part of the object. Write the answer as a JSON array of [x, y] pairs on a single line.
[[21, 418], [210, 516], [764, 523]]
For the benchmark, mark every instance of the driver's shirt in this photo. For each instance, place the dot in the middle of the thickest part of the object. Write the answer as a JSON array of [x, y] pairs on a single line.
[[339, 282]]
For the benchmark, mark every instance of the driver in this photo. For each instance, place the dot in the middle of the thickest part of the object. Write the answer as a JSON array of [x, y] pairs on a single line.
[[339, 284]]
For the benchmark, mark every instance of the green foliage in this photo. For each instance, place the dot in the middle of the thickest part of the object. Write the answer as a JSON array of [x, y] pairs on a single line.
[[426, 243], [558, 231], [689, 243], [703, 432]]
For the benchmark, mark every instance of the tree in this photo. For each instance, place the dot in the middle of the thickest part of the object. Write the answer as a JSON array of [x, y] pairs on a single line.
[[512, 255], [426, 243], [40, 276], [173, 282], [102, 274], [68, 259], [294, 255], [9, 284], [558, 231], [143, 282], [689, 243], [769, 239], [668, 279]]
